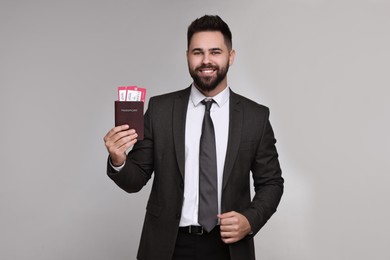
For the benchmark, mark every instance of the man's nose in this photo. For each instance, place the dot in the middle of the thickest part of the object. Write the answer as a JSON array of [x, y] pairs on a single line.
[[206, 58]]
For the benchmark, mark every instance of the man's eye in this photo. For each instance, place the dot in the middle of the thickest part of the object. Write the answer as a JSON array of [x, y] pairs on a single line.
[[215, 52]]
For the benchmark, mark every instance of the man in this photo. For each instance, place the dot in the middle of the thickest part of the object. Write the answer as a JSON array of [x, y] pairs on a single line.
[[172, 150]]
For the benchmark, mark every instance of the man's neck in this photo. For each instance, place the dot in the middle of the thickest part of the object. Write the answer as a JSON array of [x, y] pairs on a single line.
[[212, 93]]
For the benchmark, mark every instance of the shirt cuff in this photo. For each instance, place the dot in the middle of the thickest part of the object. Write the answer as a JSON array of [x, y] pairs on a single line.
[[117, 168]]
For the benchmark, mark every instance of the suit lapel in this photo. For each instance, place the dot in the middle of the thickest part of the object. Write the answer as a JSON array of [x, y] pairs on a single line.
[[179, 123], [235, 129]]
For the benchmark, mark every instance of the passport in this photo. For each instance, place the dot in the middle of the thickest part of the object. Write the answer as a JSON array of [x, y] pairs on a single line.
[[130, 113]]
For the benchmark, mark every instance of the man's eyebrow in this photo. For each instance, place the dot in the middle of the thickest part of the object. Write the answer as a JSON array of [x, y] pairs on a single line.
[[197, 49], [201, 50]]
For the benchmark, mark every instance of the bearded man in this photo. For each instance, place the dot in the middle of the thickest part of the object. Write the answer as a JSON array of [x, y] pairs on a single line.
[[202, 144]]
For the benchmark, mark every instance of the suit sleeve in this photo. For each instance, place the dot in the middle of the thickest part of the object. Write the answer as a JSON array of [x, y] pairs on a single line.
[[267, 178]]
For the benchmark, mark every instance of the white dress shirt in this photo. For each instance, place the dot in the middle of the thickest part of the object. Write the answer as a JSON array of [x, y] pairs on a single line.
[[220, 115]]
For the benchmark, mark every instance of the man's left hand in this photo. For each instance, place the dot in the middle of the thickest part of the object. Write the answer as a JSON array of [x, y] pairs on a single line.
[[234, 226]]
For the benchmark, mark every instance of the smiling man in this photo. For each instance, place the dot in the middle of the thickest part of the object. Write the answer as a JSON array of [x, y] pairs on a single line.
[[209, 58], [202, 144]]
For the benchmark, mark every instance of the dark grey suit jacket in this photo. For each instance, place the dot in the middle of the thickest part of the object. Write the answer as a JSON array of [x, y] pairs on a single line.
[[251, 148]]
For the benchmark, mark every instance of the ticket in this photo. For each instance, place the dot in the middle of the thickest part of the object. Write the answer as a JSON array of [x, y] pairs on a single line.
[[131, 93], [135, 93], [122, 93]]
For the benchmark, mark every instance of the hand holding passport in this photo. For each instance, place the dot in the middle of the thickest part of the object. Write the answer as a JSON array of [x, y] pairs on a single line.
[[129, 108]]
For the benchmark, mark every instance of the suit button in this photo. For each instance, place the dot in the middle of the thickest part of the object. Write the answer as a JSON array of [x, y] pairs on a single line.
[[178, 215]]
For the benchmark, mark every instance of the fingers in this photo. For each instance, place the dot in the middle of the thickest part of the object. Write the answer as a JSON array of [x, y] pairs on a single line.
[[114, 131], [229, 222], [227, 215], [117, 141], [234, 226]]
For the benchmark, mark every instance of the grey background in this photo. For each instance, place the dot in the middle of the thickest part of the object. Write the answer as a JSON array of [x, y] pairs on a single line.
[[321, 66]]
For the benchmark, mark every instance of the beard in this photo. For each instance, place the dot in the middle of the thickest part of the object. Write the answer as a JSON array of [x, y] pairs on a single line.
[[209, 83]]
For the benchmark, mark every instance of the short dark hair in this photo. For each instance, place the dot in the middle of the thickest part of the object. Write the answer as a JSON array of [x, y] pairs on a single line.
[[210, 23]]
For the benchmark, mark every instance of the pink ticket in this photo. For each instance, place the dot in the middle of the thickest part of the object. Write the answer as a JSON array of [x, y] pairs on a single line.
[[131, 93]]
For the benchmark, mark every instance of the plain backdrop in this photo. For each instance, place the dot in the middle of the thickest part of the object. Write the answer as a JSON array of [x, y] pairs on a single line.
[[322, 66]]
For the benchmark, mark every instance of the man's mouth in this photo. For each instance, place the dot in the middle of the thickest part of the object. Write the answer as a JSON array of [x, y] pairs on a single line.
[[207, 71]]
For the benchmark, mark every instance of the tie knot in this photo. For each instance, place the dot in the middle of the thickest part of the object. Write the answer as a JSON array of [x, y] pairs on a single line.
[[207, 102]]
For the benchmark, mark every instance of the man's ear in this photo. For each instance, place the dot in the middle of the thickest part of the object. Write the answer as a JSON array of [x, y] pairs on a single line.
[[232, 55]]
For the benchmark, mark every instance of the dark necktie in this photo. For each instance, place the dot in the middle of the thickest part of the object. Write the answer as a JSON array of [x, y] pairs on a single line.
[[208, 195]]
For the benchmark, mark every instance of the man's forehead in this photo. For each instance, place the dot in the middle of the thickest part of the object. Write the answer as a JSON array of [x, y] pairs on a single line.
[[207, 40]]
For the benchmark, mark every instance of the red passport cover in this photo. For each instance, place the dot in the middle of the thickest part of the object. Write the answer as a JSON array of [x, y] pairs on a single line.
[[130, 113]]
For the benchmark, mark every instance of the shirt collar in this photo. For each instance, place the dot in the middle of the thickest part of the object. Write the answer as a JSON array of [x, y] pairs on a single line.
[[220, 99]]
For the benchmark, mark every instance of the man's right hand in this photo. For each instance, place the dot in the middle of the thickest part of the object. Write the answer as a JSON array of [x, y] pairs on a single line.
[[117, 141]]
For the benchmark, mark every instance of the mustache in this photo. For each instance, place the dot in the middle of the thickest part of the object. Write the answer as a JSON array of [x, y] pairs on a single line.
[[207, 66]]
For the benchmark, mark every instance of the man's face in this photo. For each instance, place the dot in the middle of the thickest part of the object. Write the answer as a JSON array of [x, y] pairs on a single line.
[[208, 60]]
